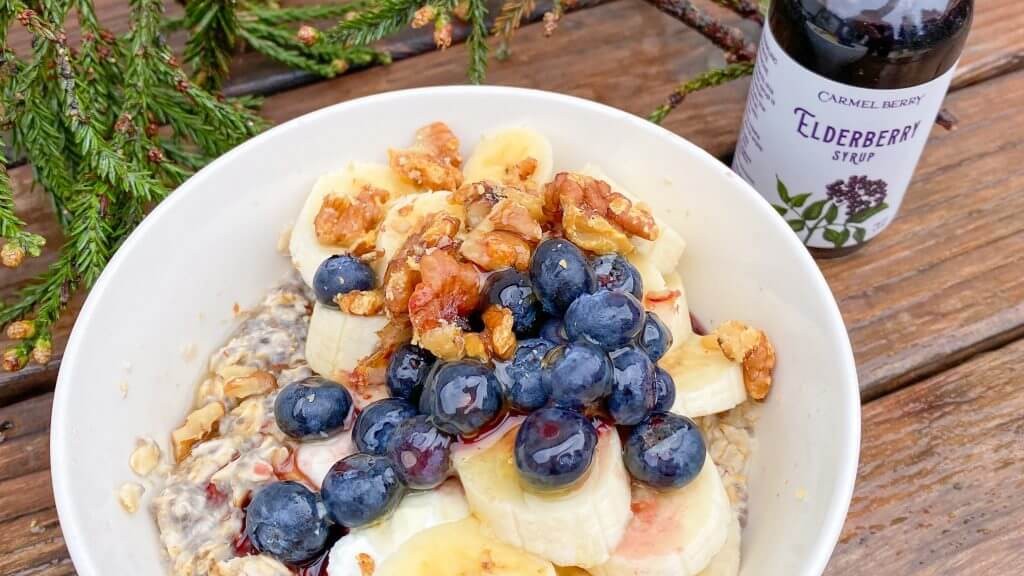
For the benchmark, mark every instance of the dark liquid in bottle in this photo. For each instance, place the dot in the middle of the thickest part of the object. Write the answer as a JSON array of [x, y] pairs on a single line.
[[877, 44]]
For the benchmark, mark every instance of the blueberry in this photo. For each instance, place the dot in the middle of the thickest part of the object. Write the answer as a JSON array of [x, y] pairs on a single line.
[[340, 274], [609, 319], [560, 273], [655, 337], [421, 453], [520, 376], [554, 331], [377, 421], [360, 489], [407, 371], [513, 290], [665, 450], [615, 273], [463, 397], [578, 374], [312, 408], [664, 390], [554, 448], [633, 391], [287, 521]]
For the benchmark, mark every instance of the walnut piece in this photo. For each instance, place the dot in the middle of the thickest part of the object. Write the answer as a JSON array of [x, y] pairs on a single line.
[[351, 221], [367, 379], [198, 426], [449, 290], [495, 250], [259, 382], [521, 171], [480, 198], [361, 302], [477, 347], [498, 321], [366, 564], [594, 216], [433, 161], [751, 347], [403, 271], [446, 341], [503, 238]]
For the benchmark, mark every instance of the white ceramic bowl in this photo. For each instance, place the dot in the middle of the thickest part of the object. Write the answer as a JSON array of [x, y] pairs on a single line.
[[170, 289]]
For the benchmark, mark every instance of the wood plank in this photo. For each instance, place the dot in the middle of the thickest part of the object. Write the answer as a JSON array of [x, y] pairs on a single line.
[[893, 345], [947, 279], [32, 542], [940, 475]]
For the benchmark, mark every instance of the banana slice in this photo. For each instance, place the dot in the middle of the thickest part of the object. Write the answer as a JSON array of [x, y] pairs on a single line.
[[460, 548], [661, 255], [497, 155], [727, 561], [418, 512], [706, 381], [337, 341], [314, 459], [577, 528], [307, 252], [654, 280], [406, 214], [674, 532], [670, 305]]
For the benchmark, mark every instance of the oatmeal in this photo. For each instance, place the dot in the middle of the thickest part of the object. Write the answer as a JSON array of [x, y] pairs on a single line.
[[480, 363], [199, 511]]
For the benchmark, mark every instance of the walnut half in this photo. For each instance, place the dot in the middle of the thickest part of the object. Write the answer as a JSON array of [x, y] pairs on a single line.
[[751, 347], [198, 426], [259, 382], [433, 161]]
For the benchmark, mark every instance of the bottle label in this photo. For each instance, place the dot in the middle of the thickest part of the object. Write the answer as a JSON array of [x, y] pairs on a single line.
[[834, 160]]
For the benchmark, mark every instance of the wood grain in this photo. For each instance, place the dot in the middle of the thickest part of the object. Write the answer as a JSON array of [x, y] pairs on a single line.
[[947, 278], [941, 474], [941, 284], [32, 542]]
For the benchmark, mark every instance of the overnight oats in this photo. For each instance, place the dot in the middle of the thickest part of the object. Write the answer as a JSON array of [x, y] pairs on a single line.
[[480, 367]]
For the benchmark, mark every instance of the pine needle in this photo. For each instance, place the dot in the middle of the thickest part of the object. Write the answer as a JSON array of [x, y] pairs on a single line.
[[706, 80], [508, 21], [477, 40], [379, 19]]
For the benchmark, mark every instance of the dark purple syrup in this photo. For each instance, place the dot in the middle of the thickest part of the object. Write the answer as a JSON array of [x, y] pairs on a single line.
[[880, 44]]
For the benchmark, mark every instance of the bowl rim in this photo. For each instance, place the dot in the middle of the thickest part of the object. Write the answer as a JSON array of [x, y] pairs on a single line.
[[82, 557]]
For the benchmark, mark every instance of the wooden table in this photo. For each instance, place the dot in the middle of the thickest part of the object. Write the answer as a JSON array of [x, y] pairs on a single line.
[[935, 306]]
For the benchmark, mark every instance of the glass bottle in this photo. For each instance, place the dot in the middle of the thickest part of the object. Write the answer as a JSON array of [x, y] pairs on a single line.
[[843, 98]]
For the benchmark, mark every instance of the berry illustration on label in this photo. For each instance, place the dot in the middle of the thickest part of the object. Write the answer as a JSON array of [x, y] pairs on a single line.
[[859, 199]]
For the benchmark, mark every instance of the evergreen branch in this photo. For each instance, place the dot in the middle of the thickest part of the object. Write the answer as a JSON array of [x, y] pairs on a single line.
[[91, 146], [37, 131], [214, 26], [745, 8], [477, 40], [508, 21], [272, 16], [374, 22], [706, 80], [728, 38], [11, 226], [262, 40], [90, 233], [47, 295]]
